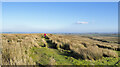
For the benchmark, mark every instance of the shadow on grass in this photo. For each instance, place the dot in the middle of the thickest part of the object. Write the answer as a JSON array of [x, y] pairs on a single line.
[[66, 50]]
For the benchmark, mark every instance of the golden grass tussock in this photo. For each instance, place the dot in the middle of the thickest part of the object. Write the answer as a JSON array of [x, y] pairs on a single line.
[[16, 47], [85, 48]]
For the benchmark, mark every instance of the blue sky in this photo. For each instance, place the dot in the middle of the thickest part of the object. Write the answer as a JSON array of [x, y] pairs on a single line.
[[75, 17]]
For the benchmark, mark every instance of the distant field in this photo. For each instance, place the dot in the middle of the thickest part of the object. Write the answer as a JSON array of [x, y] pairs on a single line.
[[60, 49], [102, 34]]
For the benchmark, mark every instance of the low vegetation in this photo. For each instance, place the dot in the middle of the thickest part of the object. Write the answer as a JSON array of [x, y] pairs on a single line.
[[59, 49]]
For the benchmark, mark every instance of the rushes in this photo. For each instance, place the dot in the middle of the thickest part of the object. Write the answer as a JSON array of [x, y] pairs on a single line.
[[16, 49], [83, 47], [32, 49]]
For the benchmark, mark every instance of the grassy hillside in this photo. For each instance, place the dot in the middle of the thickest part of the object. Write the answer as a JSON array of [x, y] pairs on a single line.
[[56, 49]]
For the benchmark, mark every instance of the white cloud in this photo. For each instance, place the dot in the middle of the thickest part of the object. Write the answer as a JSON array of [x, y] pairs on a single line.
[[78, 22]]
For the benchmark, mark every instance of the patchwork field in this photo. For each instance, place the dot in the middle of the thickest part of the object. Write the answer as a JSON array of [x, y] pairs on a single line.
[[59, 49]]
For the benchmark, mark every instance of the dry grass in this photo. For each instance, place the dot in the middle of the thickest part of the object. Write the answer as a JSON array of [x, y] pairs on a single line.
[[16, 48], [84, 47]]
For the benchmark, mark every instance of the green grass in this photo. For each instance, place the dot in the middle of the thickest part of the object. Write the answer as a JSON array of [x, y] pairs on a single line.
[[103, 61], [43, 56], [41, 43]]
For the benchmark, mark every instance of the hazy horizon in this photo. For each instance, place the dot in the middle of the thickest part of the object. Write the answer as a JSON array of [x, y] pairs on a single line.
[[67, 17], [59, 32]]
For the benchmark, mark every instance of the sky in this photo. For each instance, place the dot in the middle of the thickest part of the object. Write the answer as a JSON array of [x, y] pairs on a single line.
[[60, 17], [60, 0]]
